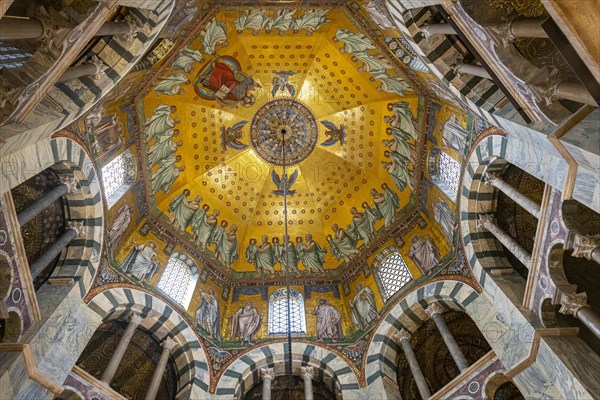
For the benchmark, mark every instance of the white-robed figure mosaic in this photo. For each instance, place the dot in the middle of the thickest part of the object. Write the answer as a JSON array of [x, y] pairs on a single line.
[[160, 121], [329, 321], [362, 307], [245, 323], [142, 261], [208, 314]]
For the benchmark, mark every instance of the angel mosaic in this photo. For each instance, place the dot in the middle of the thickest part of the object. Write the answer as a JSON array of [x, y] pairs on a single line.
[[284, 183], [281, 83], [185, 59], [230, 137], [282, 21], [334, 133], [171, 85], [353, 42], [310, 21], [214, 34], [222, 79], [370, 63], [254, 21]]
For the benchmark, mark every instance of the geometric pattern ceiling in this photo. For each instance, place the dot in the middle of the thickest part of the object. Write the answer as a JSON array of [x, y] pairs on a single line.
[[253, 87]]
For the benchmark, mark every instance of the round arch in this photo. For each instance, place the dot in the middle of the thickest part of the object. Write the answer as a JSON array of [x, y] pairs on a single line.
[[331, 368], [409, 313], [162, 320]]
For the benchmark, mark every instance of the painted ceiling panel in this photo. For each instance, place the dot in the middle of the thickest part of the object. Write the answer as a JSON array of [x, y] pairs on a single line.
[[239, 92]]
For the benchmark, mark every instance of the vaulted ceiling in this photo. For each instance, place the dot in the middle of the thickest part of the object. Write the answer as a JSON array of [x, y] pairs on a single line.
[[234, 86]]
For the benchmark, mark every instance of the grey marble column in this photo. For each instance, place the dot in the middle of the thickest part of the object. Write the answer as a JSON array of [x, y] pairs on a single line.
[[307, 375], [93, 68], [587, 246], [75, 228], [403, 338], [41, 204], [268, 375], [13, 28], [437, 29], [487, 221], [67, 185], [494, 179], [575, 304], [115, 360], [159, 372], [471, 69], [435, 312]]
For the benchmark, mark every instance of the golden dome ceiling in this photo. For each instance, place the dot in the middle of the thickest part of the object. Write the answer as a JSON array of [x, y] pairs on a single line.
[[239, 90]]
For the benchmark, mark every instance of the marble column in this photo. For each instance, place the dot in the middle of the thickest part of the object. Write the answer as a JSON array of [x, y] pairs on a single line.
[[92, 68], [15, 28], [553, 88], [74, 229], [115, 360], [494, 179], [471, 69], [403, 337], [159, 372], [575, 304], [587, 246], [487, 221], [268, 375], [307, 375], [437, 29], [67, 185], [435, 312], [506, 32]]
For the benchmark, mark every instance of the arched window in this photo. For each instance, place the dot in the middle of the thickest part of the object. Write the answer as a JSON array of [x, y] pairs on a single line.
[[391, 272], [117, 176], [278, 308], [444, 172], [179, 278]]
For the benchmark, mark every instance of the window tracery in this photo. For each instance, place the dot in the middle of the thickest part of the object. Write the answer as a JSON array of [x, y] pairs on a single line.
[[392, 272], [117, 176], [278, 311], [444, 171], [179, 278]]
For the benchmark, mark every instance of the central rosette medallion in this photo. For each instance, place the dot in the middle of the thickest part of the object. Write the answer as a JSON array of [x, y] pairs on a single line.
[[284, 122]]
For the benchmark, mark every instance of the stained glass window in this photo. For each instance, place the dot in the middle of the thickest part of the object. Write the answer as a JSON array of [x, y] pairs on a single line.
[[117, 176], [449, 173], [278, 311], [179, 278], [393, 274]]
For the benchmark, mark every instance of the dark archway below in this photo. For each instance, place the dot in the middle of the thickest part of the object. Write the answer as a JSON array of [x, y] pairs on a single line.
[[279, 390]]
